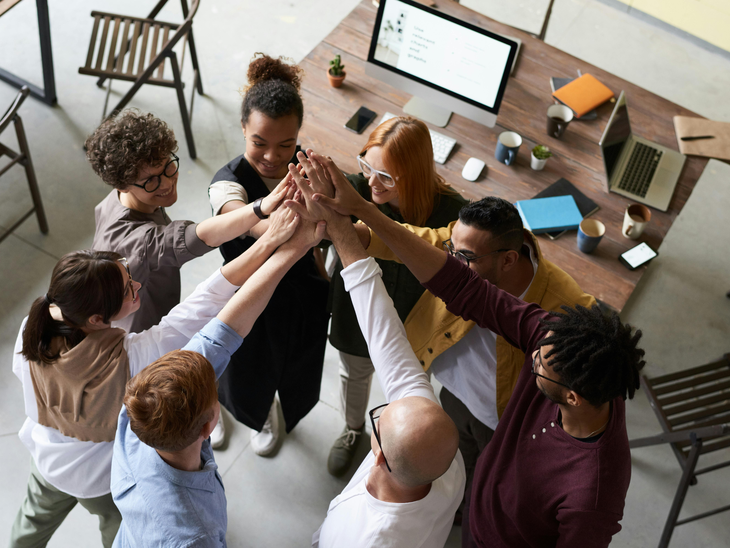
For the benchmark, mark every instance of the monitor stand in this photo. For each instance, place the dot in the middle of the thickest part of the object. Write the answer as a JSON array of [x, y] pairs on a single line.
[[427, 112]]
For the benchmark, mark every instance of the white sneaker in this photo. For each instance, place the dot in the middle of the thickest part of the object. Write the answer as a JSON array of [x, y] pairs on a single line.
[[264, 442], [218, 435]]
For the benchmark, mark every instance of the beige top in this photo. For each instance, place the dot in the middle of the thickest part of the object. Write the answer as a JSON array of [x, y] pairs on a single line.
[[80, 393]]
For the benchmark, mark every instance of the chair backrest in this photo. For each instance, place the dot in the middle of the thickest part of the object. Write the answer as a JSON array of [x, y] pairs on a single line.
[[13, 109]]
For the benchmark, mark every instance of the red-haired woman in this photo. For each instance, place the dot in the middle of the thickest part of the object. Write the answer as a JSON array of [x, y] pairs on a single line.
[[398, 174]]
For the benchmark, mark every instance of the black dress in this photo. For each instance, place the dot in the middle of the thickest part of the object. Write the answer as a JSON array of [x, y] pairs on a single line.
[[285, 349]]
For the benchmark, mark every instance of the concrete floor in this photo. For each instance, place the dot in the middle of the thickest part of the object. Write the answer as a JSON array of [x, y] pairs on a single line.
[[280, 501]]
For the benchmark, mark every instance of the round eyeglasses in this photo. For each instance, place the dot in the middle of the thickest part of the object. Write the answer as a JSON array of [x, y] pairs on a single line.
[[534, 358], [130, 282], [385, 178], [154, 182], [466, 259]]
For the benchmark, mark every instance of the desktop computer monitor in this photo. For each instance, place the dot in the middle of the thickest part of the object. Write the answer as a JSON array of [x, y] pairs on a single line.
[[446, 64]]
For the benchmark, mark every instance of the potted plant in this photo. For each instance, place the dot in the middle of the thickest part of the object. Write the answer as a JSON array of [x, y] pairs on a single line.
[[540, 155], [336, 73]]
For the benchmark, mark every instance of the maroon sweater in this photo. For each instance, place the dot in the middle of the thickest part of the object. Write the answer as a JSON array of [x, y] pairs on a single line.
[[534, 484]]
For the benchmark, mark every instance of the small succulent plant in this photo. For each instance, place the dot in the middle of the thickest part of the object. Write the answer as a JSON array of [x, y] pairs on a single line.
[[542, 152]]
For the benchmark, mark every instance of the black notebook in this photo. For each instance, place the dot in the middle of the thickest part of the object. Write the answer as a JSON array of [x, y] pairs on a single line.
[[563, 187], [557, 83]]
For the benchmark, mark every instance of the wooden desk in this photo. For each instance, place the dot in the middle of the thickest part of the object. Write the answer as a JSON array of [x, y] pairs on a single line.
[[577, 156]]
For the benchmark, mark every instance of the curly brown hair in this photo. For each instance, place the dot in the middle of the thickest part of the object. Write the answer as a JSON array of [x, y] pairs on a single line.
[[273, 88], [121, 146]]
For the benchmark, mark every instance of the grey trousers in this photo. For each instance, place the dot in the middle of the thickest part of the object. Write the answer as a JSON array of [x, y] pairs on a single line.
[[45, 508], [356, 376]]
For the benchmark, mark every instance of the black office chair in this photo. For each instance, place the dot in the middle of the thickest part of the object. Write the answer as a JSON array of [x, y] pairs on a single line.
[[22, 158]]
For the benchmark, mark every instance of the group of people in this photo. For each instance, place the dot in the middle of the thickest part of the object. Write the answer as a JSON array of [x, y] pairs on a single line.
[[526, 444]]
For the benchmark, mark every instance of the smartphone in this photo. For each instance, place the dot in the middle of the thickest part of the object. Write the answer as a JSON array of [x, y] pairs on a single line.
[[360, 120], [637, 256]]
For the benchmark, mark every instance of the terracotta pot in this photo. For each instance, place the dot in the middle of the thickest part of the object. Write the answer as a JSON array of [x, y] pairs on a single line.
[[336, 81]]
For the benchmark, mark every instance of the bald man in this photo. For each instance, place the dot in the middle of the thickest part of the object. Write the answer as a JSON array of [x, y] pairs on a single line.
[[407, 490]]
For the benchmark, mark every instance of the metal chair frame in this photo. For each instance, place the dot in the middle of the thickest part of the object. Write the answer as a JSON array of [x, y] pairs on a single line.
[[22, 158], [693, 408], [128, 48]]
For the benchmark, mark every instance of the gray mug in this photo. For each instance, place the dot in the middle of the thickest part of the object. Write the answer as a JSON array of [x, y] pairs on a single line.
[[508, 143]]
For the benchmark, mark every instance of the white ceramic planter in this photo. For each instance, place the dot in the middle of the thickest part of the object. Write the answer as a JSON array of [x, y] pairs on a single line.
[[536, 163]]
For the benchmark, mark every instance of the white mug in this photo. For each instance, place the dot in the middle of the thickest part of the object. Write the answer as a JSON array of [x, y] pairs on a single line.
[[636, 218]]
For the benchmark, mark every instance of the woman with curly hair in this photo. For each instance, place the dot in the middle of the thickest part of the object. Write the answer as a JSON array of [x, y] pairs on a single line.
[[135, 154], [399, 176], [74, 367], [285, 350]]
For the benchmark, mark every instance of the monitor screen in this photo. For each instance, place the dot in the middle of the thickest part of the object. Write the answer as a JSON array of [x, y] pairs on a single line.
[[446, 54], [617, 132]]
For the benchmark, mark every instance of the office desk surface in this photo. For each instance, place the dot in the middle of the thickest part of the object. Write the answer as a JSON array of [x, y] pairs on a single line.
[[577, 156]]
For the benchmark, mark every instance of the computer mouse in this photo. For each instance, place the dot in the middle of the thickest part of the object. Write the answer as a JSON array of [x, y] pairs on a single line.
[[472, 169]]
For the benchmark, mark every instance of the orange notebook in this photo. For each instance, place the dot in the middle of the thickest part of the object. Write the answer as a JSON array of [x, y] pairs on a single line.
[[583, 94]]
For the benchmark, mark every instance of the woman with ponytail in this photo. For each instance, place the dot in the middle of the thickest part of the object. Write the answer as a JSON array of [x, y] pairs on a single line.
[[285, 350], [399, 176], [74, 368]]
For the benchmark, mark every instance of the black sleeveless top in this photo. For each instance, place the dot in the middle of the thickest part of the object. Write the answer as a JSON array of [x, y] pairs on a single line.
[[284, 351]]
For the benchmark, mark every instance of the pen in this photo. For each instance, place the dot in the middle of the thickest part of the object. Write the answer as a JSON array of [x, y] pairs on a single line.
[[697, 137]]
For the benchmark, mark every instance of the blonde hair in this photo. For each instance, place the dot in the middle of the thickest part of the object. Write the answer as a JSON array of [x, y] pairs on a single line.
[[408, 157]]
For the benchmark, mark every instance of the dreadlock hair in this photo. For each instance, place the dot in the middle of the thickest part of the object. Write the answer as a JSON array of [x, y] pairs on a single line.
[[594, 353]]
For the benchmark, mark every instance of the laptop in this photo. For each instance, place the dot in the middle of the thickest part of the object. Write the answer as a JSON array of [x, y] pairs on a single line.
[[635, 167]]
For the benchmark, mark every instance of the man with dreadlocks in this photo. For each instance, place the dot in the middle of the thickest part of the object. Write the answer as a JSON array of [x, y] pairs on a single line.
[[558, 468]]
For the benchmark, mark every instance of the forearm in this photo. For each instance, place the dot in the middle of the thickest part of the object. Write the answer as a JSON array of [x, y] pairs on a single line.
[[242, 267], [347, 241], [227, 226], [250, 301], [421, 257]]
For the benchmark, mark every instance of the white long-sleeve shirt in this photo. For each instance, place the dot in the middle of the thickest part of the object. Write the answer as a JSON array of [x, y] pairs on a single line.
[[83, 468], [355, 518]]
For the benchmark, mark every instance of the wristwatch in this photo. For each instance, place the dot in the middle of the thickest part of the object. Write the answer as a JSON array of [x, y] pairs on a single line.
[[257, 209]]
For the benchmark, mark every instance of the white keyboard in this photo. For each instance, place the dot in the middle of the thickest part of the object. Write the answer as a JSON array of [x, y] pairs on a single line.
[[442, 145]]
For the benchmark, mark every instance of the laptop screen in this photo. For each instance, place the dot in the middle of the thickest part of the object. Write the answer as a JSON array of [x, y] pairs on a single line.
[[615, 135]]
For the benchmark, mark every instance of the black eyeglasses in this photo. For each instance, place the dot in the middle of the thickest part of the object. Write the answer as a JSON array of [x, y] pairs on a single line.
[[543, 376], [154, 182], [374, 416], [123, 260], [449, 248]]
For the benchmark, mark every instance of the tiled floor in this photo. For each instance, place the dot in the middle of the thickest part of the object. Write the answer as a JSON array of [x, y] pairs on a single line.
[[280, 501]]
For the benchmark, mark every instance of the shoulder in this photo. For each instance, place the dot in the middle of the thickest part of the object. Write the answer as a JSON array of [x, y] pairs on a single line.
[[360, 183], [232, 171], [561, 288]]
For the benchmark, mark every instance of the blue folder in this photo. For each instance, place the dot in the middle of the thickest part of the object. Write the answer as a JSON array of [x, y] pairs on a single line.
[[549, 214]]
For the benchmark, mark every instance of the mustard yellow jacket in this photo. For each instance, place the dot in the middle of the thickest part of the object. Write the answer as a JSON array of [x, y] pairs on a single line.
[[431, 329]]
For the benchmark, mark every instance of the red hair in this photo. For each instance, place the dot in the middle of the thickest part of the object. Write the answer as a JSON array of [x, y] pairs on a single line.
[[408, 157]]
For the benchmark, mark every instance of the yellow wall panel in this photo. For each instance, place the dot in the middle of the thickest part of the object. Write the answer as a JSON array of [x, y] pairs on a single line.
[[708, 20]]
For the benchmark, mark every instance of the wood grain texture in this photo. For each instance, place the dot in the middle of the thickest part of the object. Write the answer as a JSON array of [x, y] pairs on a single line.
[[577, 156]]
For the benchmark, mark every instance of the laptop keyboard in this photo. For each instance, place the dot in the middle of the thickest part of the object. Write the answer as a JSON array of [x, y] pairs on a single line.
[[640, 170]]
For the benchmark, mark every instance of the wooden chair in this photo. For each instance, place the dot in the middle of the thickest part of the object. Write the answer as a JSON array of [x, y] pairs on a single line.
[[126, 59], [693, 408], [22, 158]]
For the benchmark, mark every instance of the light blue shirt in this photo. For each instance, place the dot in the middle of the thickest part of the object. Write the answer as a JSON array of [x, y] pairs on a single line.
[[161, 505]]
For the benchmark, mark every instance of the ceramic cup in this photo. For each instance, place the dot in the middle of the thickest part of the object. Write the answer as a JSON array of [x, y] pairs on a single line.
[[558, 118], [636, 218], [590, 232], [508, 144]]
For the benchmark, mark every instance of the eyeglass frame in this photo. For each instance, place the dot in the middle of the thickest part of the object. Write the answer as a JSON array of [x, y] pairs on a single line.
[[449, 248], [380, 174], [534, 359], [125, 264], [377, 435], [175, 160]]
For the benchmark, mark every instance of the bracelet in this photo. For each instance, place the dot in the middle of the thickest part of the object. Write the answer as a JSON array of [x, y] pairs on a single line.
[[257, 209]]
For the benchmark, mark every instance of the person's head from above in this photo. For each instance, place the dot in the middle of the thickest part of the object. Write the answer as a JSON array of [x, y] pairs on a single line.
[[398, 162], [488, 237], [414, 440], [89, 290], [173, 402], [135, 153], [587, 356], [271, 114]]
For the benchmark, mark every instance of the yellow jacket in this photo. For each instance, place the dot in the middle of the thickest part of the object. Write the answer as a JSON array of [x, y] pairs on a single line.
[[431, 329]]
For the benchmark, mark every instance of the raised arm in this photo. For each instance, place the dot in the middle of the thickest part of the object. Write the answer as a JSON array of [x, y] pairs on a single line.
[[239, 220]]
